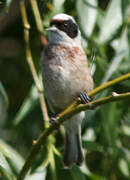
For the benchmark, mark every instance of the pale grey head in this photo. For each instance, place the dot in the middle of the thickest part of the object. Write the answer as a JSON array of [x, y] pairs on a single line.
[[63, 29]]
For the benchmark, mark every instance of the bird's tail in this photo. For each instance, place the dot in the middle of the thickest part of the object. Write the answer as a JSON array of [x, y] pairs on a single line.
[[73, 147]]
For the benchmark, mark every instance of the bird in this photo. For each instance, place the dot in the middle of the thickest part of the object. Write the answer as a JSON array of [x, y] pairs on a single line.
[[66, 76]]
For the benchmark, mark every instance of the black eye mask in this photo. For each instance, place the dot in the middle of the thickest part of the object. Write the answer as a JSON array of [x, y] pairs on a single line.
[[68, 26]]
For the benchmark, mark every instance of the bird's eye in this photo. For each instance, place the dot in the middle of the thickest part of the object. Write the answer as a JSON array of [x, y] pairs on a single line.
[[65, 24]]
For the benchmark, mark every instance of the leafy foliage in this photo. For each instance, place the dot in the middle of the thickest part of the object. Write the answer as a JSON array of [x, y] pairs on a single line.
[[106, 130]]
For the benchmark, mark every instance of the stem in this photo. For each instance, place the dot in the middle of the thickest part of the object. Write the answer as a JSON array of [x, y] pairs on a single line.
[[109, 83], [38, 20], [41, 141], [30, 62], [37, 15]]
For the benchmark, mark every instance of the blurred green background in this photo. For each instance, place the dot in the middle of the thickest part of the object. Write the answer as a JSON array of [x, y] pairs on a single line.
[[105, 27]]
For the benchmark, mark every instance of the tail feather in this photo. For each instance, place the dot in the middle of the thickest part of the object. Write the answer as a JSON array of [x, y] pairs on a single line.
[[73, 149], [80, 152]]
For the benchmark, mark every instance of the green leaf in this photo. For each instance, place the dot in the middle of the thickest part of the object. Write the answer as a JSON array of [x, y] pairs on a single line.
[[3, 163], [126, 11], [110, 120], [55, 150], [39, 174], [52, 163], [58, 6], [27, 106], [126, 130], [92, 146], [5, 175], [5, 170], [123, 165], [8, 2], [122, 50], [14, 158], [4, 94], [112, 21], [95, 177], [77, 174], [3, 104], [87, 13]]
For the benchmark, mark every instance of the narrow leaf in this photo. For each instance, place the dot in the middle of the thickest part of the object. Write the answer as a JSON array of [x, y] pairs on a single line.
[[111, 22], [28, 104], [14, 157], [87, 15], [121, 52]]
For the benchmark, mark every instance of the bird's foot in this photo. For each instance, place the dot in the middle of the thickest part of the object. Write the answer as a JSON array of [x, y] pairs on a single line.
[[84, 98], [53, 118]]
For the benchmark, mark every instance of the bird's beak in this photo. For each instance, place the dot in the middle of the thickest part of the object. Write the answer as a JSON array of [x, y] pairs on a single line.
[[52, 28]]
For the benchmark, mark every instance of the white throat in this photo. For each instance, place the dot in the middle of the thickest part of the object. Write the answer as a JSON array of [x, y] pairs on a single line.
[[56, 36]]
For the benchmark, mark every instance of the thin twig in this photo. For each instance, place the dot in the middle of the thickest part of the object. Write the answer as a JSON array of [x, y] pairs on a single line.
[[38, 20], [109, 84], [30, 61], [37, 15], [48, 131]]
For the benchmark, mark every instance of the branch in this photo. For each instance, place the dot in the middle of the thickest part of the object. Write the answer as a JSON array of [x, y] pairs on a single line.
[[96, 91], [41, 141], [30, 61]]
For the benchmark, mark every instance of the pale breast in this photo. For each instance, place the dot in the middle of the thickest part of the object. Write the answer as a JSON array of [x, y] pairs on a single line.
[[65, 74]]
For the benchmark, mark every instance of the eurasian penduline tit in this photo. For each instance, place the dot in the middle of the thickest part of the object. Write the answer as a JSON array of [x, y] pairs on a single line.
[[66, 76]]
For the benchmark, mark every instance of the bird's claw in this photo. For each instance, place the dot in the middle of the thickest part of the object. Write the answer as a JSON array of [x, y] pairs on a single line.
[[84, 98], [52, 119]]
